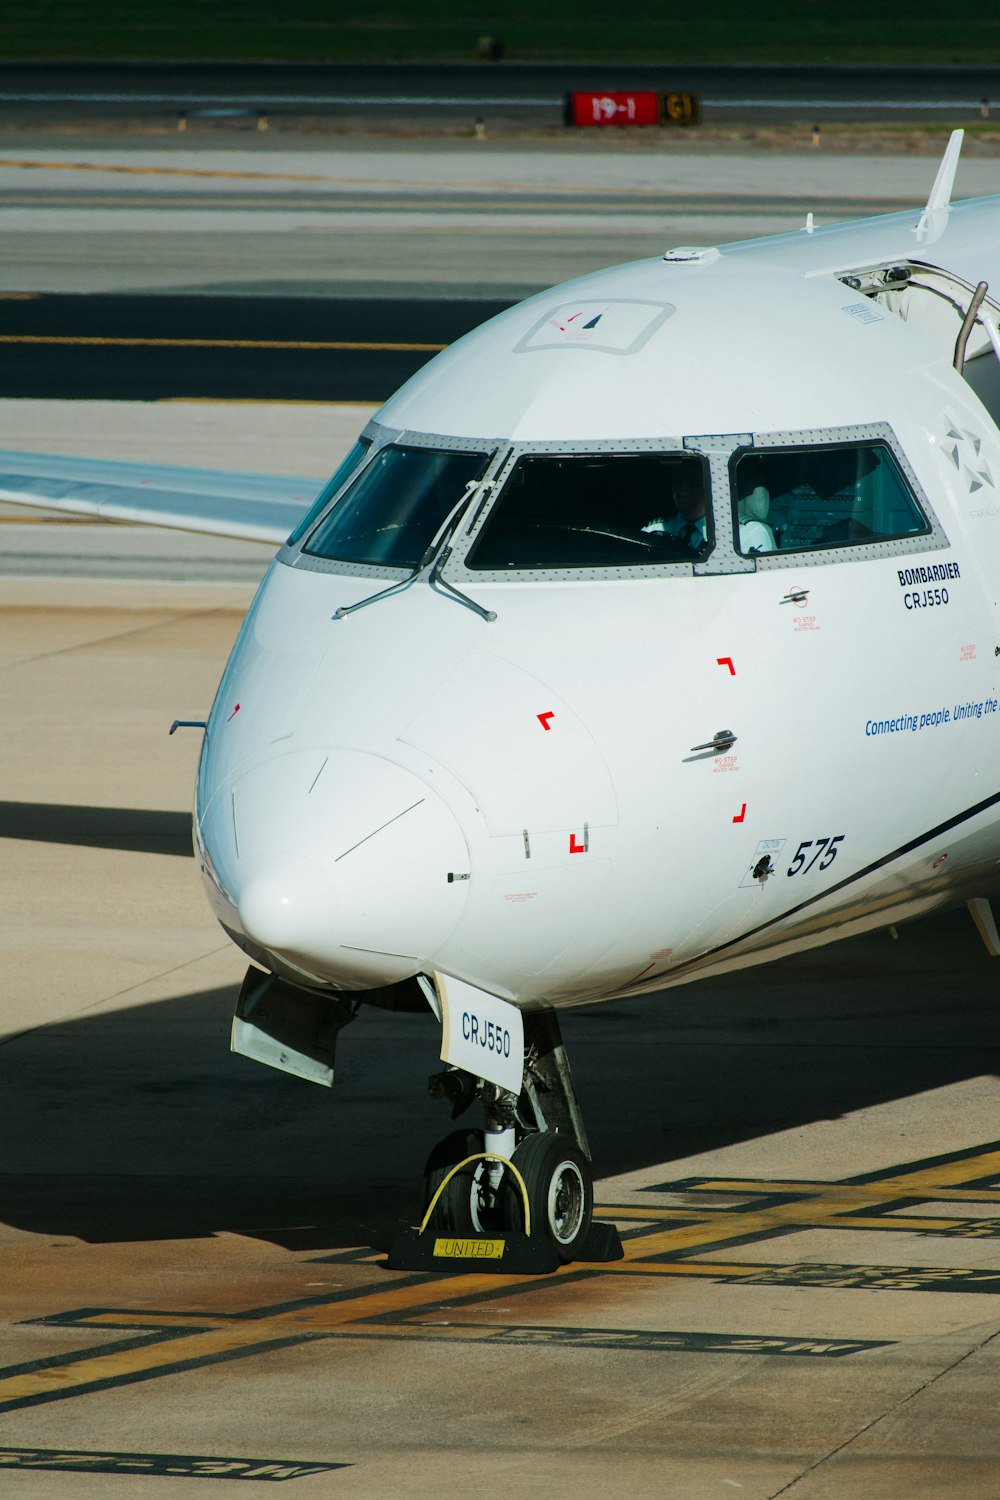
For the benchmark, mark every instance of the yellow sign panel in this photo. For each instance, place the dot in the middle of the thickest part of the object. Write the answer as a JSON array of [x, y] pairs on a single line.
[[681, 109], [469, 1249]]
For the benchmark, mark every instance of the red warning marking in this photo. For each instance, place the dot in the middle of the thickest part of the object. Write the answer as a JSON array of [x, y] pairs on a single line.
[[543, 719], [726, 661], [574, 847], [741, 814], [234, 713]]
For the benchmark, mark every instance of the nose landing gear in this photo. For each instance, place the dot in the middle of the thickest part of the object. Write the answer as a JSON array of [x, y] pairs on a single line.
[[519, 1192]]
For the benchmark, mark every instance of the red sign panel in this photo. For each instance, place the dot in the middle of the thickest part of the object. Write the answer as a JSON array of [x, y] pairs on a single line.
[[641, 108]]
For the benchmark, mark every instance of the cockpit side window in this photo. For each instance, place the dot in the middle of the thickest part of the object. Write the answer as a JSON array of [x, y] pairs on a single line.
[[341, 475], [804, 499], [597, 510], [390, 514]]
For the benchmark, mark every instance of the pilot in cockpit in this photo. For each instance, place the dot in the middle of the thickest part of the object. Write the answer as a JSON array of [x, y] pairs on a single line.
[[688, 525], [753, 506]]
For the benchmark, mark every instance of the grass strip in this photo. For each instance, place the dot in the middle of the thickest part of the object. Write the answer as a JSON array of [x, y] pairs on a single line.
[[777, 31]]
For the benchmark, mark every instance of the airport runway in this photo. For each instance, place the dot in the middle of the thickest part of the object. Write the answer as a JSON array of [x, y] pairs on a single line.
[[803, 1158], [529, 93]]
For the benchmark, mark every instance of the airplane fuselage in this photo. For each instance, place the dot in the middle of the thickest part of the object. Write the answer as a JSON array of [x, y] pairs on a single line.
[[568, 759]]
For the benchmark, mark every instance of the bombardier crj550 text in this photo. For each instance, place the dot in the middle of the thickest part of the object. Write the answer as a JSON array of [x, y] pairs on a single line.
[[651, 631]]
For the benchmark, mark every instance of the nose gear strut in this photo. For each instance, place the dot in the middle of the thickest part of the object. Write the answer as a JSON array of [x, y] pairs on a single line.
[[517, 1195]]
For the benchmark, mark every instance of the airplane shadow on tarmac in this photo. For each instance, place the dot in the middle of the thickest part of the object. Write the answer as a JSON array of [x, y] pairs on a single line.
[[139, 1124], [145, 830]]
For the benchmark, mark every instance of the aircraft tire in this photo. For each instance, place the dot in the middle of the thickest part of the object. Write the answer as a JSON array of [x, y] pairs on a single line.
[[560, 1189], [458, 1209]]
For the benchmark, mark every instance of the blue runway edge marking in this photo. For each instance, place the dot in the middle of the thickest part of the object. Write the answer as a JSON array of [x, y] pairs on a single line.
[[178, 1465]]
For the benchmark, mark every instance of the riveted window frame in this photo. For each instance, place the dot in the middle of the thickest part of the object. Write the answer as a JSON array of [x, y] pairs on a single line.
[[494, 450], [664, 447], [933, 539]]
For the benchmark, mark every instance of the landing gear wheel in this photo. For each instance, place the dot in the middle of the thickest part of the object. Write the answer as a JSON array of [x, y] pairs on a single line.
[[560, 1189], [464, 1207]]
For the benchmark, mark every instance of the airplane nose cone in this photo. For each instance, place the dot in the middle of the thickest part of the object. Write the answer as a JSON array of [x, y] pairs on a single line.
[[337, 863], [280, 909]]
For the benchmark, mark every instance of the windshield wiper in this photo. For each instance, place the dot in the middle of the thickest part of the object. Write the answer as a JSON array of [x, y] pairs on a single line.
[[442, 586], [439, 548]]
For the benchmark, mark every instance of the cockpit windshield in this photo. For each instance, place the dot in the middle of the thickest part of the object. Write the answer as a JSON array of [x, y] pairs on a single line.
[[341, 475], [390, 514], [597, 510]]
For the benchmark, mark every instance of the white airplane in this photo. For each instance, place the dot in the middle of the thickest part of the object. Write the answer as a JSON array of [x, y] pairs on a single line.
[[649, 632]]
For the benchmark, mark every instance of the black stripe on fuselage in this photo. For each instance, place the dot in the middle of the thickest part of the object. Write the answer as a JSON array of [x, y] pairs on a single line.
[[878, 864]]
